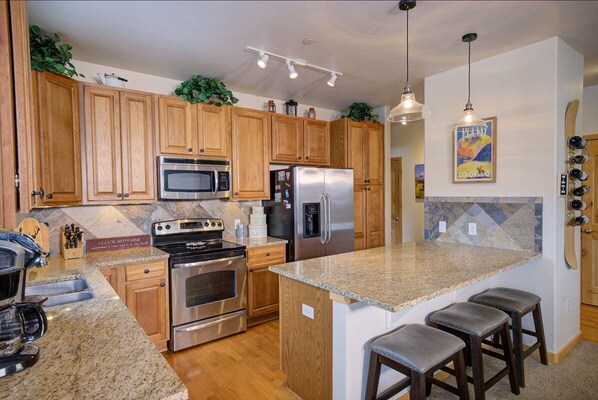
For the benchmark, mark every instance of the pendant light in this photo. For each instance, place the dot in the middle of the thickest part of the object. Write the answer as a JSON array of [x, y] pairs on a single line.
[[409, 109], [468, 118]]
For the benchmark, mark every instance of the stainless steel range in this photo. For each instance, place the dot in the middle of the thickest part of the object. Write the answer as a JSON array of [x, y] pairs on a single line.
[[208, 281]]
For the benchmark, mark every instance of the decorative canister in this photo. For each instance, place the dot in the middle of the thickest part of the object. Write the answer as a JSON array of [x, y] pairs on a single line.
[[291, 107], [311, 114], [271, 106]]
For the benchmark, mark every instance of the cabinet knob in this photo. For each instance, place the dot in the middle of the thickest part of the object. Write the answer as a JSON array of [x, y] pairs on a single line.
[[201, 150], [298, 157], [49, 196], [119, 195], [250, 269], [146, 271], [190, 149], [267, 254], [236, 193], [307, 158], [126, 194], [39, 193], [162, 284]]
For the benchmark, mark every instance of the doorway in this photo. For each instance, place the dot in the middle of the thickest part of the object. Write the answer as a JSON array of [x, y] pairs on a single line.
[[396, 187]]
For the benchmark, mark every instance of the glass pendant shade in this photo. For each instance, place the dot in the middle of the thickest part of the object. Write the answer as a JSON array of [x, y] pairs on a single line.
[[408, 110], [468, 118]]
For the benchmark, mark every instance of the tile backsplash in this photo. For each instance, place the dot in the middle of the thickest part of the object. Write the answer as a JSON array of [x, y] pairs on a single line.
[[137, 219], [504, 222]]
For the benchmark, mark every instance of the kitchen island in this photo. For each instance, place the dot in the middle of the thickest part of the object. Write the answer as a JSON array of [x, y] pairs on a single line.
[[331, 307], [94, 349]]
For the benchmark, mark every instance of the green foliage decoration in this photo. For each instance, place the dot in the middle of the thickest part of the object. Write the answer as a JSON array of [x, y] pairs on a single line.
[[359, 112], [47, 54], [200, 89]]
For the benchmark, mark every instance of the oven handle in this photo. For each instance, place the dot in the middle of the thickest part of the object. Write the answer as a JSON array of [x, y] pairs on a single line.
[[201, 263], [220, 319]]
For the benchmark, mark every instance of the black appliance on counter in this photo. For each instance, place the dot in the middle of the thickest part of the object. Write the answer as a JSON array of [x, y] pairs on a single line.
[[21, 322], [208, 281]]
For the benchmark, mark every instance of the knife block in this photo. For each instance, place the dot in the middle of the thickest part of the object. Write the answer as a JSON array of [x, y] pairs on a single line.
[[70, 254]]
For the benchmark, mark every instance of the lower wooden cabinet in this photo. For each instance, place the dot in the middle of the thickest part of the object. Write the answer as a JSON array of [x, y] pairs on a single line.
[[143, 288], [263, 284]]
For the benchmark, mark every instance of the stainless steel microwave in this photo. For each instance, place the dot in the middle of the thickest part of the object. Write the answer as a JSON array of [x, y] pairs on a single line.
[[193, 179]]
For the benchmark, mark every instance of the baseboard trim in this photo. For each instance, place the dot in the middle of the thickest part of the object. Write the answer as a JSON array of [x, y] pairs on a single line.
[[565, 350]]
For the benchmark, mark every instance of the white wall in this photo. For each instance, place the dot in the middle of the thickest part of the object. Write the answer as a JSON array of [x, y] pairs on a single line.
[[527, 90], [590, 110], [407, 142], [157, 84]]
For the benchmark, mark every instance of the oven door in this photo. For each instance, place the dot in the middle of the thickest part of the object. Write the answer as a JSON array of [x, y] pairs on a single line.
[[205, 289], [189, 179]]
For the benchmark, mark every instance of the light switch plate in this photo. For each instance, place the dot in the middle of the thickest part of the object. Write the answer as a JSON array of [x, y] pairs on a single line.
[[473, 228], [307, 311], [442, 226]]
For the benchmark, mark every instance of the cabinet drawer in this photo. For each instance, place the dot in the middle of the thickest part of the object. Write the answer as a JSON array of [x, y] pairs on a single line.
[[135, 272], [266, 255]]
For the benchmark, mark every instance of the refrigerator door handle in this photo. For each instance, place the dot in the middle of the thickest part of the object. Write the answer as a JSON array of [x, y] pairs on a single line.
[[329, 223], [323, 223]]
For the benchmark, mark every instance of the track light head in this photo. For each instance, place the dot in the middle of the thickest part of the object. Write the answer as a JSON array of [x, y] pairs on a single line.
[[263, 61], [292, 73], [332, 80]]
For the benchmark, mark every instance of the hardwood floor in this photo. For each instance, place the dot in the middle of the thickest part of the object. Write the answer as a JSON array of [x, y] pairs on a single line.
[[243, 366], [589, 323]]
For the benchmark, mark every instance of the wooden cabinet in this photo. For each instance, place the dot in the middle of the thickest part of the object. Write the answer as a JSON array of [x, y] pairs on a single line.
[[198, 130], [250, 159], [263, 284], [118, 145], [360, 145], [144, 289], [300, 141], [57, 140]]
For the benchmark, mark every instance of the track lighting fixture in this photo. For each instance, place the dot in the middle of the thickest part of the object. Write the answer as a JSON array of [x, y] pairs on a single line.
[[263, 61], [292, 73], [332, 80], [291, 63]]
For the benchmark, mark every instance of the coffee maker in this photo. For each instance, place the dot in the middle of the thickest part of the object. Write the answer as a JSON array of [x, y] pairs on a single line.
[[22, 320]]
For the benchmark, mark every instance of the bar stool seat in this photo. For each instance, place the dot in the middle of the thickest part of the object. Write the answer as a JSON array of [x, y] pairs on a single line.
[[509, 300], [418, 347], [417, 351], [470, 318]]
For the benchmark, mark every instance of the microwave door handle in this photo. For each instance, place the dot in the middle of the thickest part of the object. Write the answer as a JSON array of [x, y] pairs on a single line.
[[215, 182]]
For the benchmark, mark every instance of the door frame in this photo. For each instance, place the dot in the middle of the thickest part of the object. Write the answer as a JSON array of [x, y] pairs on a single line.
[[586, 271], [396, 202]]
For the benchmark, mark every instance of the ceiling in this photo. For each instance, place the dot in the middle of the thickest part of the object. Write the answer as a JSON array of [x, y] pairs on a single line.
[[363, 40]]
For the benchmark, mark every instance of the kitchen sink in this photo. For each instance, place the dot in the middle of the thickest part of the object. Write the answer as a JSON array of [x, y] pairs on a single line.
[[64, 292]]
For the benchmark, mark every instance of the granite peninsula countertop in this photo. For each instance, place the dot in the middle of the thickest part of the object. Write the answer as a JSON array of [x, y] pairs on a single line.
[[94, 349], [401, 276], [252, 242]]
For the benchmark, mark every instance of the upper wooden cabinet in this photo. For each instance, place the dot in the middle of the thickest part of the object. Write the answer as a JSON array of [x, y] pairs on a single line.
[[298, 140], [57, 141], [375, 154], [199, 130], [118, 145], [250, 154]]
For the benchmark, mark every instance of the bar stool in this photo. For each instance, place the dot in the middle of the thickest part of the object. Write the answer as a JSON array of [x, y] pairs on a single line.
[[474, 323], [518, 303], [416, 351]]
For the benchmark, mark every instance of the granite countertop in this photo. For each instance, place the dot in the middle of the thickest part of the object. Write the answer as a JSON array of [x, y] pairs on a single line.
[[251, 242], [94, 349], [401, 276]]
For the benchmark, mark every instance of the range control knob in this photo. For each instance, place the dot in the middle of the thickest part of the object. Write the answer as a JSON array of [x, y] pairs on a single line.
[[167, 227], [159, 227], [219, 224], [213, 224], [206, 224]]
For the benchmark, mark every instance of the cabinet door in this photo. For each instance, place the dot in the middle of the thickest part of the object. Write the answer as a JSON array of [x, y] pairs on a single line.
[[176, 128], [214, 131], [147, 301], [263, 291], [287, 139], [316, 142], [375, 149], [102, 144], [136, 129], [359, 205], [59, 139], [111, 275], [375, 216], [357, 150], [250, 154]]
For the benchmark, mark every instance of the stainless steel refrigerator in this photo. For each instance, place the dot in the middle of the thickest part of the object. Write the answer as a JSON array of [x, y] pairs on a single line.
[[313, 209]]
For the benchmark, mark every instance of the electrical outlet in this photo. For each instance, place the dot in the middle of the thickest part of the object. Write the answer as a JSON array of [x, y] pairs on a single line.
[[236, 223], [307, 311], [442, 226], [473, 228]]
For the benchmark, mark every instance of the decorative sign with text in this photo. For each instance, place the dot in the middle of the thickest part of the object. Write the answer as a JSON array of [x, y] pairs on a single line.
[[118, 243]]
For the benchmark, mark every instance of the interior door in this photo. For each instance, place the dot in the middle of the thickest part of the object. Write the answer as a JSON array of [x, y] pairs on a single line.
[[309, 212], [339, 213], [396, 187], [589, 237]]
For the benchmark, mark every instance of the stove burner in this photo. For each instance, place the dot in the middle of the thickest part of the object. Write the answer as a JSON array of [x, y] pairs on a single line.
[[194, 245]]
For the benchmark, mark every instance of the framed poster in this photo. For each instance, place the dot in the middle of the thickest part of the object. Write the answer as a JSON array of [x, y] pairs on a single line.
[[419, 181], [474, 153]]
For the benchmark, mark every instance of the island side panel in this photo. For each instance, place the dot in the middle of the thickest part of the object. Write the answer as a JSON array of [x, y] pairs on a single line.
[[305, 343]]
